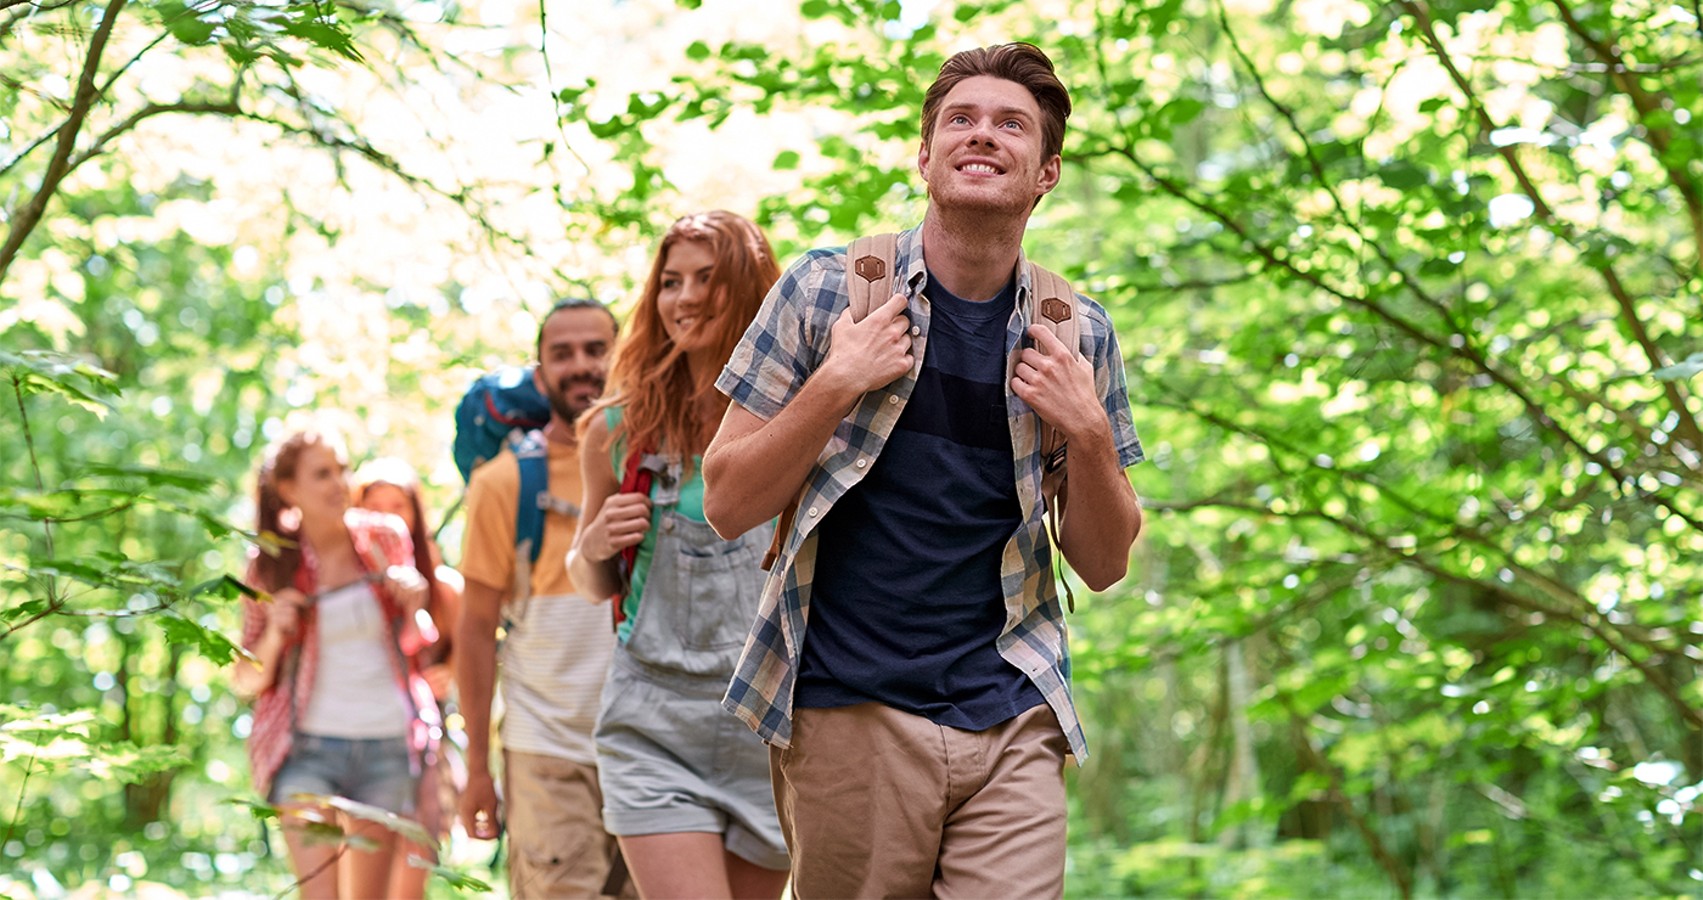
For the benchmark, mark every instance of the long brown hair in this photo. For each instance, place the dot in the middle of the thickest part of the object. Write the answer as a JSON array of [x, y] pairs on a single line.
[[400, 475], [649, 375], [275, 567]]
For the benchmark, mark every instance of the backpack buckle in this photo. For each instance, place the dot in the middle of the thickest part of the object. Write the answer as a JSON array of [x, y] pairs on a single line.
[[551, 503]]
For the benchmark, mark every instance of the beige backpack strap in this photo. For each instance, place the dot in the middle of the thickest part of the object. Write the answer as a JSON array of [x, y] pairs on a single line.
[[869, 272], [870, 261], [1053, 304]]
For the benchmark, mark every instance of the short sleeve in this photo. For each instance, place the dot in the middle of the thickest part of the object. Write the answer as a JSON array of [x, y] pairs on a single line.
[[1111, 382], [781, 347], [487, 549]]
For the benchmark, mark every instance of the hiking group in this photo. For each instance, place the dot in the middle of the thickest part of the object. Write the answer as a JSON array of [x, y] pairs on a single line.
[[768, 600]]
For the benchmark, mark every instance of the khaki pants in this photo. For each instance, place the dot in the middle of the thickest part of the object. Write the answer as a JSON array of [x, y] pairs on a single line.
[[554, 821], [876, 802]]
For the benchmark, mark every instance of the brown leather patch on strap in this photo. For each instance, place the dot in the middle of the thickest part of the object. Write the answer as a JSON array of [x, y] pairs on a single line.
[[1055, 310], [870, 268]]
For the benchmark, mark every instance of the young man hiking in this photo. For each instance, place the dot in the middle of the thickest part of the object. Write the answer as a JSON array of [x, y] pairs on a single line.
[[557, 647], [909, 665]]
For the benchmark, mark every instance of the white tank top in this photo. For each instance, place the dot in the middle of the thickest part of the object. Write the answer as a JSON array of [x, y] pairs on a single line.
[[355, 694]]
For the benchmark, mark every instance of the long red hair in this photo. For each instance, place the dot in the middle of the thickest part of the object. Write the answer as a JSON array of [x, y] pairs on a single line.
[[649, 375]]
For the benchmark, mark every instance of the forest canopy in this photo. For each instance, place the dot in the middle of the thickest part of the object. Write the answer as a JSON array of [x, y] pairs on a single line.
[[1408, 295]]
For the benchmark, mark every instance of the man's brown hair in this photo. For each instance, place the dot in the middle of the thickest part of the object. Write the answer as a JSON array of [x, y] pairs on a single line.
[[1019, 62]]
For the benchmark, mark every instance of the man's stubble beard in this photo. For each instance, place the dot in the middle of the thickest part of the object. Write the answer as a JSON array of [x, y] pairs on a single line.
[[560, 406]]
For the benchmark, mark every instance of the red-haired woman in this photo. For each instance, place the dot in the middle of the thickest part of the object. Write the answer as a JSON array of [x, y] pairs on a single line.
[[685, 785], [340, 708], [390, 485]]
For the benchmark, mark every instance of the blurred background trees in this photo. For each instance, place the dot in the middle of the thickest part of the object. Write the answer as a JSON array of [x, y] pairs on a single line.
[[1408, 293]]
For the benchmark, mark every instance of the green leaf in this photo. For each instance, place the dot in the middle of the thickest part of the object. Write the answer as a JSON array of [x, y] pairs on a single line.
[[455, 878], [786, 160], [260, 811], [1182, 110], [68, 376], [697, 51], [327, 35], [154, 476], [23, 610], [1403, 175], [27, 718], [40, 505], [224, 587], [407, 828], [217, 648]]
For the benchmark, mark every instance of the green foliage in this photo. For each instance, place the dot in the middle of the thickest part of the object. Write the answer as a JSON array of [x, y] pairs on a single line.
[[1407, 294], [1401, 289]]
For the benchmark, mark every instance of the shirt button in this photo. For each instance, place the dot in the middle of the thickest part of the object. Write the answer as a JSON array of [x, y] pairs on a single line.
[[892, 399], [862, 463], [916, 330], [812, 512]]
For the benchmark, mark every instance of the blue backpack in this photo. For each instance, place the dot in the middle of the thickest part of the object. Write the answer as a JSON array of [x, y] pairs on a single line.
[[505, 408], [496, 404]]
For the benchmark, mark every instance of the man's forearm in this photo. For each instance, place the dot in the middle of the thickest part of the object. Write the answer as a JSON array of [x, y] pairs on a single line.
[[476, 676], [1103, 516]]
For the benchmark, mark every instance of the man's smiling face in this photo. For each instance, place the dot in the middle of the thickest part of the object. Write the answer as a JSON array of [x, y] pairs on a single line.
[[986, 149]]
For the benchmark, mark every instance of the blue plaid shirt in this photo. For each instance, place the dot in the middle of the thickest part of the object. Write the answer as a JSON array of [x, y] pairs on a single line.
[[784, 345]]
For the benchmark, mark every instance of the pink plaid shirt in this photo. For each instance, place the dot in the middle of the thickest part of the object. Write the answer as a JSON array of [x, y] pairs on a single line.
[[380, 541]]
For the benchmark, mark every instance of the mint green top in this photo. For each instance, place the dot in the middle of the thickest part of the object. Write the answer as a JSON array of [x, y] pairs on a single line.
[[691, 505]]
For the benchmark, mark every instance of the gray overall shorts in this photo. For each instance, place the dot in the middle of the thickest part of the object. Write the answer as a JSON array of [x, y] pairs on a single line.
[[669, 758]]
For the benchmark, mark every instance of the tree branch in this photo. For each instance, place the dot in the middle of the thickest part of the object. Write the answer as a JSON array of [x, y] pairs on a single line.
[[1469, 347], [1590, 622], [227, 108], [1621, 76], [25, 220], [104, 88], [54, 600], [1575, 606], [12, 20], [1538, 414], [1687, 429], [1317, 761]]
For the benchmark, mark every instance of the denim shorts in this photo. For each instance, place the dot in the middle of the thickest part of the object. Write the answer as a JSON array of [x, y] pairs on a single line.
[[370, 771]]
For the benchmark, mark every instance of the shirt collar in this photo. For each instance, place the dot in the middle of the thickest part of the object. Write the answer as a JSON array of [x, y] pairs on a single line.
[[913, 272]]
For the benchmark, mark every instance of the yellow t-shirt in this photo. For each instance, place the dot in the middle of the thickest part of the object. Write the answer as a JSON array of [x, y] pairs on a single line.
[[488, 549]]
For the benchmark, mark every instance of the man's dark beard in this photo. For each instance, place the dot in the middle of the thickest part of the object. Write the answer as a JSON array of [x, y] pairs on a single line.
[[558, 398]]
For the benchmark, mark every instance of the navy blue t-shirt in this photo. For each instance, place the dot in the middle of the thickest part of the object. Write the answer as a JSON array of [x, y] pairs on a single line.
[[907, 603]]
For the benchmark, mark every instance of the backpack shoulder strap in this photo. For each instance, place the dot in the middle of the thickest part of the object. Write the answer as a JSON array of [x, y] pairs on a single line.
[[870, 261], [533, 453], [1053, 304], [869, 271], [636, 478]]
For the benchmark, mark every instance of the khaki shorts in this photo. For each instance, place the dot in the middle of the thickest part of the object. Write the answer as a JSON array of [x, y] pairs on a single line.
[[557, 845], [881, 803]]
